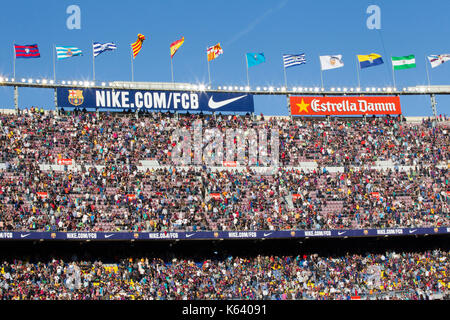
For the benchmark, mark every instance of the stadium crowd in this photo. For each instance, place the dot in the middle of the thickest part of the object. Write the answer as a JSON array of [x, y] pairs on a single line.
[[122, 198], [119, 197], [406, 275], [110, 193], [117, 138]]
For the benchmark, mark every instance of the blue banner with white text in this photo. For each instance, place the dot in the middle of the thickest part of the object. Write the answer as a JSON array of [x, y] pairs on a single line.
[[212, 235], [148, 100]]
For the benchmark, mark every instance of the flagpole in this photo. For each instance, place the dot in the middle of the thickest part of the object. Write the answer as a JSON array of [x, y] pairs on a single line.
[[285, 77], [246, 65], [393, 74], [171, 66], [93, 61], [357, 72], [54, 63], [132, 65], [321, 77], [428, 74], [209, 71], [14, 64], [285, 85], [16, 89], [209, 74]]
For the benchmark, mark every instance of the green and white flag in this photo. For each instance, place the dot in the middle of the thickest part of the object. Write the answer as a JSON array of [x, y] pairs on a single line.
[[405, 62]]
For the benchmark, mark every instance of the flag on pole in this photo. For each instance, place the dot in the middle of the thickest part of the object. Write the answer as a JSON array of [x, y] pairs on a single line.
[[214, 51], [27, 51], [175, 46], [405, 62], [100, 48], [437, 60], [137, 46], [67, 52], [291, 60], [370, 60], [254, 59], [331, 62]]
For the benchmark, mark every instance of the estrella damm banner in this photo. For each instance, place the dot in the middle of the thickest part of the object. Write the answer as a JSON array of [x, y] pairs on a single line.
[[150, 100], [341, 106]]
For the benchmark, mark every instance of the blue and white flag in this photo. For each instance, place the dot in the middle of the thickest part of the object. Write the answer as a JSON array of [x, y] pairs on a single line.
[[291, 60], [67, 52], [100, 48]]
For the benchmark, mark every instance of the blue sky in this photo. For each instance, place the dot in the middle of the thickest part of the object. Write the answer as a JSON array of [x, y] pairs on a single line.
[[268, 26]]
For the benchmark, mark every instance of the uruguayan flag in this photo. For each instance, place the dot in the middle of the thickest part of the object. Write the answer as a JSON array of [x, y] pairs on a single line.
[[291, 60], [67, 52], [100, 48]]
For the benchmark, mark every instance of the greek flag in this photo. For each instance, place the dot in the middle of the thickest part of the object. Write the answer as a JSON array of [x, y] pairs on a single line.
[[100, 48], [291, 60], [67, 52]]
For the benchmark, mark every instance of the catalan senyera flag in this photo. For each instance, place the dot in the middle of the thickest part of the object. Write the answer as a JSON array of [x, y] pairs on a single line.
[[175, 46], [137, 46], [214, 51]]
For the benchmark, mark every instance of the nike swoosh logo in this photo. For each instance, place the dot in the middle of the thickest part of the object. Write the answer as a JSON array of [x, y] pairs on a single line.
[[216, 105], [341, 233], [25, 235], [267, 234], [189, 235], [108, 235], [412, 231]]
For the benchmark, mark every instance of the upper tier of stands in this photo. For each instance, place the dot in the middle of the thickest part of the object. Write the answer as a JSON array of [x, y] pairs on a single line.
[[334, 173]]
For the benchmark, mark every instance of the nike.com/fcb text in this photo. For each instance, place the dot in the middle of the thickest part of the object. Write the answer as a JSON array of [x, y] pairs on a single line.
[[151, 100]]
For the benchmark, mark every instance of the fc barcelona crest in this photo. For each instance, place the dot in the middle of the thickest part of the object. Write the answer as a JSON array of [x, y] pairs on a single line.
[[76, 97]]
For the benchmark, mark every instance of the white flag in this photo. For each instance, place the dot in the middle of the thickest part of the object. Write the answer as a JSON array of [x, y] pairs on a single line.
[[437, 60], [331, 62]]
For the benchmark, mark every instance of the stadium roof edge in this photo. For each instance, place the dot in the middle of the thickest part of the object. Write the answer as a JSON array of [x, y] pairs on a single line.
[[258, 90]]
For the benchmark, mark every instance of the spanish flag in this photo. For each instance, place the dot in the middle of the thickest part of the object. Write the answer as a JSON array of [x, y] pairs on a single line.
[[369, 60], [137, 45], [175, 46]]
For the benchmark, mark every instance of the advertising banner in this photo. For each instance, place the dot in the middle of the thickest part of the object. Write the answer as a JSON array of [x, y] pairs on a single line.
[[211, 235], [155, 100], [376, 195], [343, 105], [215, 196], [230, 164], [64, 162]]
